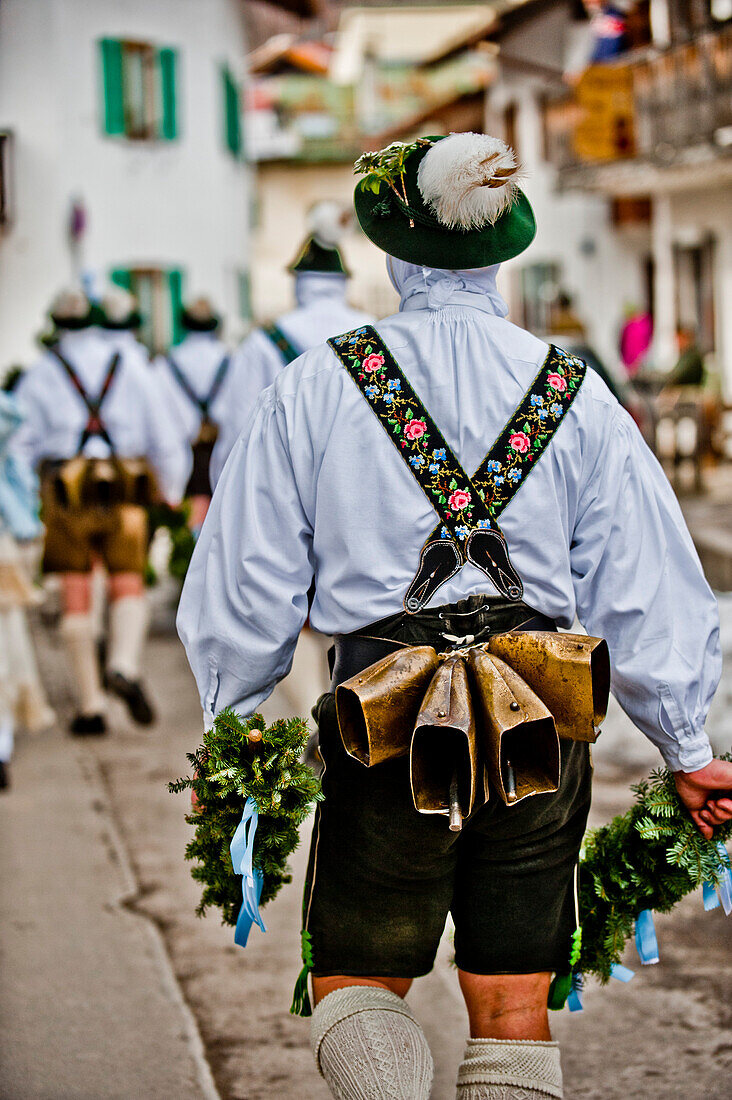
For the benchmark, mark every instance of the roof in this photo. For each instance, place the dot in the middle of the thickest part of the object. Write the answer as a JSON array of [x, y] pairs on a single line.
[[285, 52]]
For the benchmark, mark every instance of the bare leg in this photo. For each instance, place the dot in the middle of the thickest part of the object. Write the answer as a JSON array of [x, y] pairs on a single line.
[[506, 1006], [510, 1052], [323, 986]]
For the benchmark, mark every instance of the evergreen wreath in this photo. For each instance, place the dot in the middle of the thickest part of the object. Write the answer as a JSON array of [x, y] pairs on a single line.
[[647, 858], [242, 759]]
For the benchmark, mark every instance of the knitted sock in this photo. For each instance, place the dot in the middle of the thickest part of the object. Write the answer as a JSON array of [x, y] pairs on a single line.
[[128, 619], [368, 1046], [78, 633], [509, 1069]]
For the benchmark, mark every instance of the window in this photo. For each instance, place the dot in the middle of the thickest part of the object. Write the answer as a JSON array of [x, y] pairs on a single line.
[[539, 290], [159, 293], [139, 85], [231, 97], [244, 287]]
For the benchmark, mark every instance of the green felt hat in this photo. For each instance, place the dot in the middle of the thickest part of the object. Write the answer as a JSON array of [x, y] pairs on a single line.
[[465, 212], [314, 256]]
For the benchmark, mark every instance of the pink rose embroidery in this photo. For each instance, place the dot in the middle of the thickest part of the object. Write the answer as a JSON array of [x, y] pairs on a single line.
[[557, 382], [519, 442], [372, 362], [415, 429], [459, 500]]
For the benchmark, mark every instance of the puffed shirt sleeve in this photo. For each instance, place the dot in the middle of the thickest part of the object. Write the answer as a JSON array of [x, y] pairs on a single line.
[[29, 442], [245, 601], [639, 584]]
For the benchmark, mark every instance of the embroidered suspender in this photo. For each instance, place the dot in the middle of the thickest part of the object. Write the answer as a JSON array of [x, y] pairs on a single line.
[[94, 425], [203, 404], [467, 507], [280, 341]]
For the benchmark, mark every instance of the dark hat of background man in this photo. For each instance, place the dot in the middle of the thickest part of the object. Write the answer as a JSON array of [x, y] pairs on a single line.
[[445, 202], [327, 222], [200, 316]]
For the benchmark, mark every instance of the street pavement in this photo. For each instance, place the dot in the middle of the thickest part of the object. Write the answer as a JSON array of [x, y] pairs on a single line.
[[111, 987]]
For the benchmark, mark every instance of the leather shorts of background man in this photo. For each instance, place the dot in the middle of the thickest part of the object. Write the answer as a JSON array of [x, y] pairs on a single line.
[[96, 510], [385, 865]]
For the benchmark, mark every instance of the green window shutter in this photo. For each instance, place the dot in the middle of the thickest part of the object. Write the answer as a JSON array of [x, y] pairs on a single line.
[[168, 62], [175, 286], [120, 276], [232, 122], [112, 83], [245, 295]]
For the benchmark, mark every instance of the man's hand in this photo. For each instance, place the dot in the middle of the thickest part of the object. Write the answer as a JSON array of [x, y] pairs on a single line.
[[707, 795]]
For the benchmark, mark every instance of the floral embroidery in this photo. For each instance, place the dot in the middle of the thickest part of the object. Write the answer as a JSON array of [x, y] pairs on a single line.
[[462, 503], [415, 429], [372, 362], [458, 500], [520, 442]]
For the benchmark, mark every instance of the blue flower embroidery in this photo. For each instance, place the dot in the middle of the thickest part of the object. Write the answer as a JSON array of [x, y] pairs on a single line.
[[372, 391], [493, 466], [462, 531], [417, 461], [555, 409], [536, 399], [484, 523], [499, 480], [543, 414], [444, 533], [394, 384], [439, 454], [388, 399], [514, 475], [434, 467]]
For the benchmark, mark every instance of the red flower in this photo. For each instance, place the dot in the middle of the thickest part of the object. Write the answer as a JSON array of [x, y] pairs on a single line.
[[415, 429], [557, 382], [372, 362], [520, 442], [459, 500]]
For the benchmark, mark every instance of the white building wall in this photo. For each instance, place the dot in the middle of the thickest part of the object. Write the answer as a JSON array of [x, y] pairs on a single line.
[[181, 203]]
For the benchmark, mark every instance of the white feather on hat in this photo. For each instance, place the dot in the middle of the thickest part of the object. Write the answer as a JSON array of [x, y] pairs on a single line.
[[468, 180], [118, 304]]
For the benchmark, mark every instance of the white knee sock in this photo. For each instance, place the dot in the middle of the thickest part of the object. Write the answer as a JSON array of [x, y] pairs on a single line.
[[509, 1069], [78, 633], [368, 1046], [128, 620]]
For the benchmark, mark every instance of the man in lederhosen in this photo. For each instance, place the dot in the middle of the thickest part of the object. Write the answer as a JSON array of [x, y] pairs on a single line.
[[444, 477], [321, 279], [196, 380], [105, 448]]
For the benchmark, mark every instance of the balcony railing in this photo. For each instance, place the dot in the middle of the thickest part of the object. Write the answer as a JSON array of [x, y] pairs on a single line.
[[649, 106]]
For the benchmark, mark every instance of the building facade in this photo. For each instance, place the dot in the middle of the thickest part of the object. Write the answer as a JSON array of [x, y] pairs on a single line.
[[122, 158]]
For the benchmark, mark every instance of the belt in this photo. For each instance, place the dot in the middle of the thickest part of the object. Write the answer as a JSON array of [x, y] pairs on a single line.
[[466, 622]]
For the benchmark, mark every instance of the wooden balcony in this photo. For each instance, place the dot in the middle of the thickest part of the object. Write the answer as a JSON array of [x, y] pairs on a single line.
[[660, 110]]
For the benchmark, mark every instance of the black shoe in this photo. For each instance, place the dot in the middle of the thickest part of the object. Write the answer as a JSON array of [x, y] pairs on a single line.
[[132, 694], [4, 776], [88, 725]]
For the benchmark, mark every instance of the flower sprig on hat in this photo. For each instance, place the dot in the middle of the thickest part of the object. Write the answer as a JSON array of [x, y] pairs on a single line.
[[386, 166]]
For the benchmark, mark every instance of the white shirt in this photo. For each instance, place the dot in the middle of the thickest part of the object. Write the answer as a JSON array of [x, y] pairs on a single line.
[[138, 423], [322, 311], [198, 357], [314, 488]]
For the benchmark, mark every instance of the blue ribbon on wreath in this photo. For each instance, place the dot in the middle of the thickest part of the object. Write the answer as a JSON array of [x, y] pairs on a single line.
[[646, 941], [723, 891], [242, 854]]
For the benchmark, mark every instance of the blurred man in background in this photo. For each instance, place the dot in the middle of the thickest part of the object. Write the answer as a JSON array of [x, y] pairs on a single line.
[[321, 279], [105, 447], [196, 380]]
